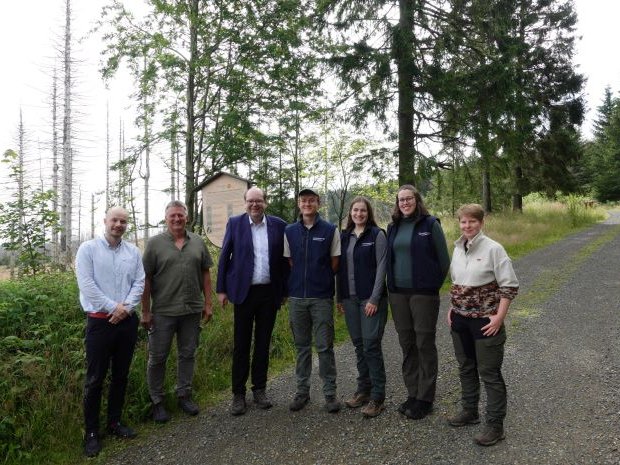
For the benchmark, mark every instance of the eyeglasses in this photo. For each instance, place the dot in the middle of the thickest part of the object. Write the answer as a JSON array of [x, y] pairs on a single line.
[[406, 199], [254, 202]]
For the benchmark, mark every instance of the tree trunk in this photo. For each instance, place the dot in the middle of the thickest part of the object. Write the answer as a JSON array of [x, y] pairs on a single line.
[[517, 196], [487, 152], [67, 150], [190, 168], [403, 47], [107, 156], [55, 166], [147, 163]]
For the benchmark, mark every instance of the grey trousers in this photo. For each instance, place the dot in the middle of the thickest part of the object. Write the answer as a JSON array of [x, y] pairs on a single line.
[[415, 319], [187, 330], [313, 317], [486, 364], [366, 334]]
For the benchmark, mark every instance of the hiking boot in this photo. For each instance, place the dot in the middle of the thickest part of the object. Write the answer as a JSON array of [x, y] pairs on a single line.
[[121, 431], [188, 406], [261, 400], [490, 435], [358, 399], [419, 410], [299, 402], [159, 413], [402, 408], [238, 406], [373, 408], [92, 445], [464, 417], [332, 405]]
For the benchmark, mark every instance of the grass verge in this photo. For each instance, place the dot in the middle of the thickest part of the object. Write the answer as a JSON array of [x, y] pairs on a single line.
[[42, 352]]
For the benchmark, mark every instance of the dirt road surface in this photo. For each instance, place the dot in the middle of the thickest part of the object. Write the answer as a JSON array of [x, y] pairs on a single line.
[[562, 369]]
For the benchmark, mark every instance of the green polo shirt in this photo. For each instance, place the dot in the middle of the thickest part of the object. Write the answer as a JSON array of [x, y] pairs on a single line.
[[176, 275]]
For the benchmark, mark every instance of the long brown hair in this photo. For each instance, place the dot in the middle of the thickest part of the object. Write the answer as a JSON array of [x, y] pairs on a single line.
[[420, 209], [370, 221]]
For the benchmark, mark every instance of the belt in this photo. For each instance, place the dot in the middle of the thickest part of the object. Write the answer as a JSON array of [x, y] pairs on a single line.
[[100, 315]]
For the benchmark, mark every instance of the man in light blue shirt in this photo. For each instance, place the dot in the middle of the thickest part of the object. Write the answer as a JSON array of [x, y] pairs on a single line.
[[110, 277]]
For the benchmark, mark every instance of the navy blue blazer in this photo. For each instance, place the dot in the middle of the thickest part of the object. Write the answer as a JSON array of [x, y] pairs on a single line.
[[236, 265]]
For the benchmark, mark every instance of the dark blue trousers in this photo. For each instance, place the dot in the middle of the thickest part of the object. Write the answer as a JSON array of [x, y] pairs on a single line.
[[256, 313]]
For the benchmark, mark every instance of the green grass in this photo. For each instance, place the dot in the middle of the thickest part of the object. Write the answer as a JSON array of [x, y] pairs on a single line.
[[42, 354]]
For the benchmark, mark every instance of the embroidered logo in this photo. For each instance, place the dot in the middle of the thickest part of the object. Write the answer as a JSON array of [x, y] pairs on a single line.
[[320, 239], [367, 244], [424, 233]]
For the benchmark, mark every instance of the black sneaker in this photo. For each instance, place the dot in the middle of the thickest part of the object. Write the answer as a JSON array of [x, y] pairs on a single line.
[[121, 431], [188, 406], [299, 402], [92, 445], [159, 413], [332, 405]]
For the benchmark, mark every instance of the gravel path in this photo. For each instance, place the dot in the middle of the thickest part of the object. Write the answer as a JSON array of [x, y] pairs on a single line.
[[562, 369]]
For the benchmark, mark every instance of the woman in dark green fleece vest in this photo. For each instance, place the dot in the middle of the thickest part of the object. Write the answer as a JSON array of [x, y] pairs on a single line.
[[417, 265]]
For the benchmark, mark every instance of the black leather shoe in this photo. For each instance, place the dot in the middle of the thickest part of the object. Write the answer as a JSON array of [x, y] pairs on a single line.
[[121, 431], [92, 445], [159, 413], [402, 408], [188, 406], [419, 410]]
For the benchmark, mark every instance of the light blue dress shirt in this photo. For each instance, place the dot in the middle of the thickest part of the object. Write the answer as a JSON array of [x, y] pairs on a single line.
[[108, 275], [260, 243]]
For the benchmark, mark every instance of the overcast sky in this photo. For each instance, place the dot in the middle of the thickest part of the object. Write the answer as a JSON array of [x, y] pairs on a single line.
[[30, 31]]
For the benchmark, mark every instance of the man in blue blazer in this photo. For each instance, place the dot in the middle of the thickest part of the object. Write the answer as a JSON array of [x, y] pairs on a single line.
[[252, 274]]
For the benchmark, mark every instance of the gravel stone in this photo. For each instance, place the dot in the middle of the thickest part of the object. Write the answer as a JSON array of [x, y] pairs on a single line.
[[561, 368]]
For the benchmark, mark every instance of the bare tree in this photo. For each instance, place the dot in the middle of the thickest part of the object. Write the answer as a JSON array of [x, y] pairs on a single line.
[[67, 149], [55, 166], [107, 157]]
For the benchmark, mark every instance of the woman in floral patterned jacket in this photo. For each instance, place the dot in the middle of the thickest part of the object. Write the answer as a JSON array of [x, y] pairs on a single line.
[[483, 286]]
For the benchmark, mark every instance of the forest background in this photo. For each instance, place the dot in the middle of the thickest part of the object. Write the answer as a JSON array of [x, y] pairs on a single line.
[[469, 100]]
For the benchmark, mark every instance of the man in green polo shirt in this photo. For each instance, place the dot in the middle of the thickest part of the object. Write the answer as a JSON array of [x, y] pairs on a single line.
[[177, 293]]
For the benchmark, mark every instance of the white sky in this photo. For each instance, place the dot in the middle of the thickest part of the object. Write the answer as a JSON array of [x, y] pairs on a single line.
[[29, 31]]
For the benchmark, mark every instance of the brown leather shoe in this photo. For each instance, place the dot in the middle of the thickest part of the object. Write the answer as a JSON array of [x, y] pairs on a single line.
[[357, 400], [373, 408], [490, 435], [464, 417]]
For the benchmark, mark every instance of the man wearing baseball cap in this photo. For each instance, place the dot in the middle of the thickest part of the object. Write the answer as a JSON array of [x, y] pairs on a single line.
[[313, 249]]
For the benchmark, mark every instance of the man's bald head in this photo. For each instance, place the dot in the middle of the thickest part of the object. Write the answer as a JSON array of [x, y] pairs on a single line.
[[115, 222]]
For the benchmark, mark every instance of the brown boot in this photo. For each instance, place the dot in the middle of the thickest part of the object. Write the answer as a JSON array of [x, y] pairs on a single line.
[[464, 417], [490, 435], [357, 400], [373, 408]]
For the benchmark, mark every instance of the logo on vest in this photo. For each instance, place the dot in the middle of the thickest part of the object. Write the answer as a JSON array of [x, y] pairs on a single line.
[[320, 239], [426, 233]]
